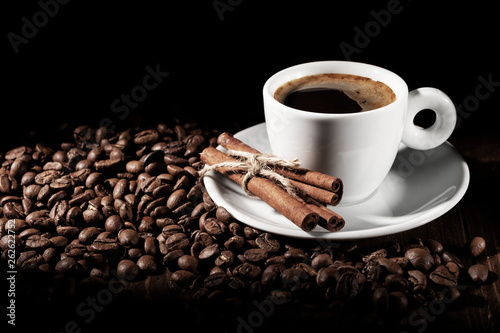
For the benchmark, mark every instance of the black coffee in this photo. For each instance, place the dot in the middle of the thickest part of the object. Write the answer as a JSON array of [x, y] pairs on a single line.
[[323, 100], [335, 93]]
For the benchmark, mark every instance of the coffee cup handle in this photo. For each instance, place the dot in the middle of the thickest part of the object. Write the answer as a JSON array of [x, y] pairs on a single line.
[[446, 116]]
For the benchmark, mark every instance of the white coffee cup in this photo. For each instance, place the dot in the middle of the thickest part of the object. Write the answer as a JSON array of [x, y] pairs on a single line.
[[359, 147]]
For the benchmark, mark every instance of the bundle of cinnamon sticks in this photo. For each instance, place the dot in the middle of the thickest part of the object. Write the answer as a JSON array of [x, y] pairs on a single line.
[[314, 189]]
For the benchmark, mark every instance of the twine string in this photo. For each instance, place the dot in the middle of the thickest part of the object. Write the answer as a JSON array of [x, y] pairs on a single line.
[[257, 165]]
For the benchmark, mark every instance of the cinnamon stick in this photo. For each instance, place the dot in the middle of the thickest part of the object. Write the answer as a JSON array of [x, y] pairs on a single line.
[[319, 194], [314, 178], [330, 220], [294, 210]]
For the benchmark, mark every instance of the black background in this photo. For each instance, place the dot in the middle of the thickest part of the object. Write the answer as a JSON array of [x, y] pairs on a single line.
[[89, 53]]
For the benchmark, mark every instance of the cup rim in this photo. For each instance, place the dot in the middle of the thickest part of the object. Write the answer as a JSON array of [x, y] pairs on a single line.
[[401, 91]]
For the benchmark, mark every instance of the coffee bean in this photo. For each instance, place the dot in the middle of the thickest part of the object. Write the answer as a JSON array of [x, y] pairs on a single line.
[[127, 269], [177, 241], [445, 275], [450, 257], [398, 302], [380, 299], [327, 276], [420, 259], [114, 223], [209, 251], [147, 264], [417, 280], [37, 242], [128, 237], [267, 242], [478, 273], [47, 177], [29, 260], [183, 278], [68, 266], [176, 198], [255, 255], [214, 227], [234, 243], [188, 263], [248, 271], [216, 280], [321, 260], [146, 137], [349, 285], [477, 246]]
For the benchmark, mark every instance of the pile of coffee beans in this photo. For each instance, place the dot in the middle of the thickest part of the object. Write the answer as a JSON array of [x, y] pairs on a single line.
[[128, 207]]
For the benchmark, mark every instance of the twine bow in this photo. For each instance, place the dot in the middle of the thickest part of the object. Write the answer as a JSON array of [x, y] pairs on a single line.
[[257, 165]]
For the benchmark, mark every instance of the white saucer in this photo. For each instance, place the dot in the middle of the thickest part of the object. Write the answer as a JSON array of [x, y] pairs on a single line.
[[421, 186]]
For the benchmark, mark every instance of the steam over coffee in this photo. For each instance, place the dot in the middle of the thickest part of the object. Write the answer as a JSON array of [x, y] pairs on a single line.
[[334, 93]]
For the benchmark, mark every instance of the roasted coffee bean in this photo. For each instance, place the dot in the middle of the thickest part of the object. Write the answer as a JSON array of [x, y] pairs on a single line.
[[176, 198], [37, 242], [380, 299], [214, 227], [390, 266], [128, 237], [171, 229], [398, 302], [216, 280], [396, 282], [266, 242], [434, 245], [248, 271], [417, 281], [295, 255], [114, 223], [177, 241], [349, 285], [477, 246], [234, 243], [47, 177], [147, 264], [445, 275], [450, 257], [188, 263], [420, 259], [92, 216], [69, 266], [29, 260], [478, 273], [209, 252], [255, 255], [127, 269], [225, 259], [146, 137], [327, 276], [183, 278], [321, 260]]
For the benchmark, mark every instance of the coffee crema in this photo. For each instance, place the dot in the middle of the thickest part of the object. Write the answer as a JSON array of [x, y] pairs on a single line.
[[335, 93]]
